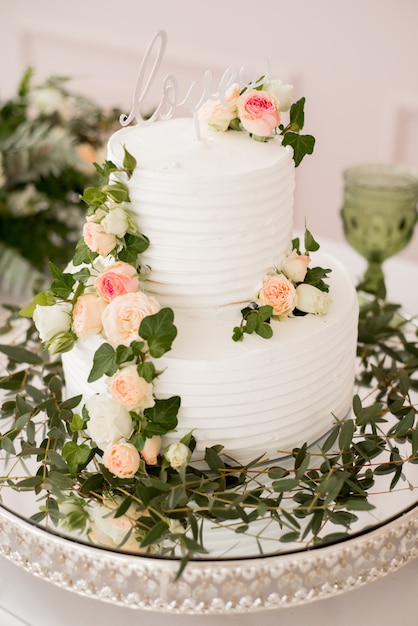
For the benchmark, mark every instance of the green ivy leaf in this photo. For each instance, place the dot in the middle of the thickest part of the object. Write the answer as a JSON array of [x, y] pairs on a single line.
[[134, 246], [62, 284], [297, 113], [162, 417], [301, 144], [158, 331], [104, 362], [147, 371]]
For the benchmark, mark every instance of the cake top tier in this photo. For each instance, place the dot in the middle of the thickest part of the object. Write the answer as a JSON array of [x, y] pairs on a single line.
[[171, 147]]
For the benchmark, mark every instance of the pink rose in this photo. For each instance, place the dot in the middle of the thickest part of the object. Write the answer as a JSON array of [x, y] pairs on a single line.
[[295, 266], [87, 315], [123, 316], [122, 459], [151, 449], [258, 112], [97, 240], [115, 280], [278, 292], [131, 390]]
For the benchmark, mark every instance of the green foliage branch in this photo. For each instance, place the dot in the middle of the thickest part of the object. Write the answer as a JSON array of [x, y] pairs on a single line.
[[314, 496]]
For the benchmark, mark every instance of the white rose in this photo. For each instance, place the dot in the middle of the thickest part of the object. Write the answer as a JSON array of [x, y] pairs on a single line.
[[116, 222], [52, 319], [109, 421], [177, 454], [283, 93], [310, 299]]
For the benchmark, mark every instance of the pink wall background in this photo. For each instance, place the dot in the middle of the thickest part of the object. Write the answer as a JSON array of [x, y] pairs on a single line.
[[354, 61]]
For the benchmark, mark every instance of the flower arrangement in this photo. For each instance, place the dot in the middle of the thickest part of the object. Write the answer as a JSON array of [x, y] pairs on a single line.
[[102, 295], [49, 139], [100, 469], [294, 289], [314, 497], [257, 109]]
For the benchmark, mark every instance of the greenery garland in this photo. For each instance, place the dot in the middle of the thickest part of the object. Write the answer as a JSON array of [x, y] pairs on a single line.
[[313, 495]]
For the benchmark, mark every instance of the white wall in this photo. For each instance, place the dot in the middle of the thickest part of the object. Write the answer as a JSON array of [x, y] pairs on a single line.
[[355, 61]]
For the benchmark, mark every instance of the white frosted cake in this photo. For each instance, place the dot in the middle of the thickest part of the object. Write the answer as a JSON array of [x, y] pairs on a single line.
[[218, 212]]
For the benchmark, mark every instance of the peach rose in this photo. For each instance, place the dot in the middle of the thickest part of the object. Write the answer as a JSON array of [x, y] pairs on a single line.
[[219, 115], [122, 459], [258, 112], [131, 390], [123, 316], [278, 292], [115, 280], [87, 315], [97, 240], [151, 449], [295, 266]]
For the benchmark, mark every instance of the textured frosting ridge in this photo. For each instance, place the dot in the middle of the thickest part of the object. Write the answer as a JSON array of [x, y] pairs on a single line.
[[218, 211]]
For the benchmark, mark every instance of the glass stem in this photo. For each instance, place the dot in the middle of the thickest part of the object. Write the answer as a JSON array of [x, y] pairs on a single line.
[[373, 280]]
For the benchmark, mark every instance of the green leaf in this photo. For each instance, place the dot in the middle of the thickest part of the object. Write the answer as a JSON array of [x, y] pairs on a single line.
[[147, 371], [116, 191], [285, 484], [82, 253], [158, 331], [94, 197], [104, 362], [62, 284], [301, 144], [162, 417], [311, 245], [346, 435], [134, 246], [213, 459], [76, 456], [21, 355], [129, 161], [297, 114], [155, 534]]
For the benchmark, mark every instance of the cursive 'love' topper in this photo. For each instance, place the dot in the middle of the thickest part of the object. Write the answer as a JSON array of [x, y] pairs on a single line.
[[170, 100]]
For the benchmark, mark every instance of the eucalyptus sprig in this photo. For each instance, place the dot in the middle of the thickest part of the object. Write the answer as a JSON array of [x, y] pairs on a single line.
[[314, 496]]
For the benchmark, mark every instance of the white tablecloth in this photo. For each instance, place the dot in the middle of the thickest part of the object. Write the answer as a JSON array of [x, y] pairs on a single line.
[[393, 599]]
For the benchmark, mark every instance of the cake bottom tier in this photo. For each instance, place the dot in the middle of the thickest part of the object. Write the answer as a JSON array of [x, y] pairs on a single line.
[[255, 397]]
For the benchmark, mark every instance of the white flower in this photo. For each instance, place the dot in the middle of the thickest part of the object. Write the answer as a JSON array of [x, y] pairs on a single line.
[[116, 222], [310, 299], [48, 100], [282, 93], [109, 421], [177, 454], [52, 319]]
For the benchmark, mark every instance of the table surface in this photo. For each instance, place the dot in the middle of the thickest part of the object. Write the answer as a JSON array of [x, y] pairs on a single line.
[[25, 599]]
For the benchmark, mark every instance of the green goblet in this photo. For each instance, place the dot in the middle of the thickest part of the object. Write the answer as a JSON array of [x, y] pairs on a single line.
[[379, 215]]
